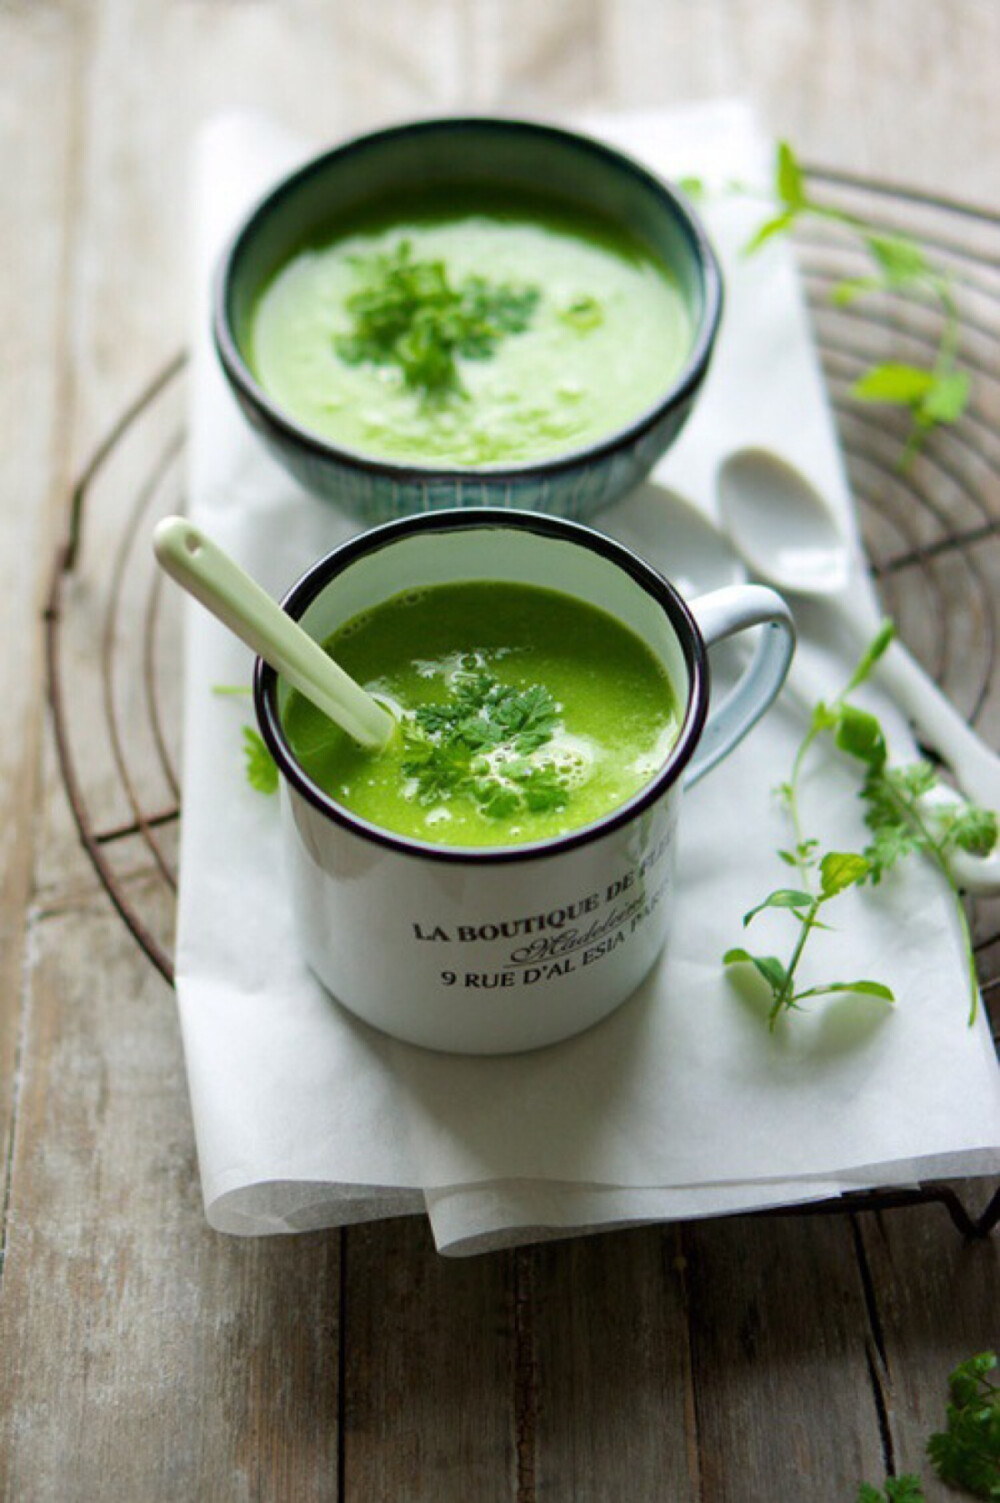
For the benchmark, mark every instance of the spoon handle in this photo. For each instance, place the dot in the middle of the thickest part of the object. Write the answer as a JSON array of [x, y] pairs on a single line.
[[942, 727], [214, 579]]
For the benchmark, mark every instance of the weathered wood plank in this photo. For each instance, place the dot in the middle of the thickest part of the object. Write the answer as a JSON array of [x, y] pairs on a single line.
[[937, 1299], [38, 60], [143, 1355], [612, 1368], [867, 88], [781, 1349], [429, 1366], [930, 96]]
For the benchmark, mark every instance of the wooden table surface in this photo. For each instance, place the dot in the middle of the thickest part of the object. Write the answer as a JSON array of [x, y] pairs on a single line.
[[144, 1357]]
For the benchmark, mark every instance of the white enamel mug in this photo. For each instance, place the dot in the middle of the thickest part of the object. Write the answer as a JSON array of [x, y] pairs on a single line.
[[499, 950]]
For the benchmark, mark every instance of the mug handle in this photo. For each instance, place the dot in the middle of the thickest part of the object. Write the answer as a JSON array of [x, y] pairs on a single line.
[[721, 614]]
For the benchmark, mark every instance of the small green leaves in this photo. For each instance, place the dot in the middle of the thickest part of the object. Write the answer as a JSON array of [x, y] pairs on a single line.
[[932, 396], [899, 825], [906, 385], [967, 1452], [261, 770], [407, 314], [900, 267], [905, 1489], [972, 829], [477, 745]]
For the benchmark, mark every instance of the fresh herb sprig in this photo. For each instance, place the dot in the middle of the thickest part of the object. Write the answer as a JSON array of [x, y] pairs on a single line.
[[936, 394], [895, 814], [905, 1489], [260, 767], [406, 313], [967, 1452], [478, 745]]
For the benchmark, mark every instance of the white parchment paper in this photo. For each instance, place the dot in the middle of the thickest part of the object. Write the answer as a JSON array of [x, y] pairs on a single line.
[[682, 1104]]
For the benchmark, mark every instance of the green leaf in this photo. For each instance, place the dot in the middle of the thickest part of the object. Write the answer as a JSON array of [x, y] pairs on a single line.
[[841, 869], [860, 735], [501, 803], [875, 649], [860, 988], [782, 897], [845, 292], [967, 1451], [824, 717], [911, 780], [968, 1381], [947, 397], [767, 231], [768, 966], [694, 187], [974, 830], [903, 385], [900, 260], [905, 1489], [261, 769], [789, 179]]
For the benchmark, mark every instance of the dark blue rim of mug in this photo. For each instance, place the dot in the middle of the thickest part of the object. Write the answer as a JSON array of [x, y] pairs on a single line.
[[322, 574], [683, 385]]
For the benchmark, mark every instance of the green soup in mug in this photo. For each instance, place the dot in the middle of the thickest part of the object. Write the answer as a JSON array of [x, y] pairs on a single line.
[[522, 713], [470, 333]]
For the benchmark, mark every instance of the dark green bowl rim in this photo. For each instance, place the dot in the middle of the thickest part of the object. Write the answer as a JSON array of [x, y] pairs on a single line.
[[470, 518], [683, 386]]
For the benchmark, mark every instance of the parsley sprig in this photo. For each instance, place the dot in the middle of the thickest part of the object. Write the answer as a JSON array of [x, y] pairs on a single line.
[[479, 743], [260, 767], [406, 313], [899, 826], [935, 394], [905, 1489], [966, 1453]]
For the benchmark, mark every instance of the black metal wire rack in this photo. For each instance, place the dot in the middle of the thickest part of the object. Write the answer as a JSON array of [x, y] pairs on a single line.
[[931, 531]]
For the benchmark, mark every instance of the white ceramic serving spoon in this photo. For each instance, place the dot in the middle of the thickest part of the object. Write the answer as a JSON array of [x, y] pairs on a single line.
[[787, 534], [214, 579]]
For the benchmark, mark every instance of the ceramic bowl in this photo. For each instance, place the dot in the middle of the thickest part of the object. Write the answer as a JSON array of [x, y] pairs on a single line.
[[439, 155]]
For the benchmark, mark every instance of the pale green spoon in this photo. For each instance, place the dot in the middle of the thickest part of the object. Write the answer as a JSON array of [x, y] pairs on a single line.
[[214, 579]]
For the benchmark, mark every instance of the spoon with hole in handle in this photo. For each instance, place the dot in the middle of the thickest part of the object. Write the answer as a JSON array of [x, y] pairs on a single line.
[[787, 534], [214, 579]]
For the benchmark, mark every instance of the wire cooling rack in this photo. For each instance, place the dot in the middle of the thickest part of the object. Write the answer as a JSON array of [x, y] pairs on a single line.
[[931, 531]]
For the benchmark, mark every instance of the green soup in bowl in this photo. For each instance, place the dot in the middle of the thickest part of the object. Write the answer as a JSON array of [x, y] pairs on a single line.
[[462, 312]]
